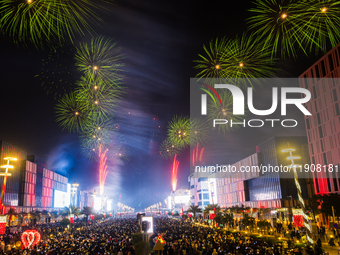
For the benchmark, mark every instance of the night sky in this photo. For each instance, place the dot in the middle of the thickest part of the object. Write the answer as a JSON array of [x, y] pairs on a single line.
[[160, 41]]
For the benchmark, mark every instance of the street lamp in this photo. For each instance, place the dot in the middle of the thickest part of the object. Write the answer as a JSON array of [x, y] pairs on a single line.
[[74, 191], [297, 184], [5, 174]]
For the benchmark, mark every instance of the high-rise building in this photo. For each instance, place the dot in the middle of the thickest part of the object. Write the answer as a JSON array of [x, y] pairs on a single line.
[[11, 197], [28, 180], [40, 169], [323, 126]]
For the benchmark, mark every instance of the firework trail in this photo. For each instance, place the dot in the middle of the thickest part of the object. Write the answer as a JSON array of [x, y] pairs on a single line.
[[102, 169], [174, 173], [197, 154]]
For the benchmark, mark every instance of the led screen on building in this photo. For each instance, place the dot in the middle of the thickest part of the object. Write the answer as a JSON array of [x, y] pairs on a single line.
[[184, 199], [98, 203], [109, 205], [61, 199]]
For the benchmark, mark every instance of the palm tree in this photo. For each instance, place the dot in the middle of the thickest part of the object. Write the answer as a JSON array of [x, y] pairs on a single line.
[[264, 211], [212, 207], [227, 218], [54, 215], [70, 210], [35, 215], [87, 210], [11, 212], [45, 213], [194, 209], [22, 216]]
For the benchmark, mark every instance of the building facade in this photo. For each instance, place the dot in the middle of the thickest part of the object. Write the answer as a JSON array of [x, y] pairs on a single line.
[[11, 197], [323, 126], [258, 180], [231, 187]]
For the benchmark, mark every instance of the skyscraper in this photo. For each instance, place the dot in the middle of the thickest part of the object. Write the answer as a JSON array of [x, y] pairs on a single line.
[[322, 79]]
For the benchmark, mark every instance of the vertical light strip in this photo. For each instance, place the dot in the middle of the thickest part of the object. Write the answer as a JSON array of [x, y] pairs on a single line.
[[204, 104]]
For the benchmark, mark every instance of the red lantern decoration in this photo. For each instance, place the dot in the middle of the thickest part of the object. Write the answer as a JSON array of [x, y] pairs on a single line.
[[298, 221], [71, 220], [92, 217], [212, 216], [30, 238], [189, 215], [3, 220]]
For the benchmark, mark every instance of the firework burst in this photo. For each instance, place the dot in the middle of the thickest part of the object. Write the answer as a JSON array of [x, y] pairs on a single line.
[[224, 111], [296, 25], [100, 97], [71, 114], [168, 150], [57, 76], [40, 21], [241, 57], [318, 24], [273, 23], [101, 58], [179, 131], [199, 131]]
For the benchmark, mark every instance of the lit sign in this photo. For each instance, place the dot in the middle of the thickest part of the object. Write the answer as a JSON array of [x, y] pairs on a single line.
[[150, 220], [109, 205], [61, 199], [184, 199], [97, 203]]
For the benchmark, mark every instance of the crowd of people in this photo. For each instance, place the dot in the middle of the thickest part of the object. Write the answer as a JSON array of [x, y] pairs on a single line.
[[118, 236]]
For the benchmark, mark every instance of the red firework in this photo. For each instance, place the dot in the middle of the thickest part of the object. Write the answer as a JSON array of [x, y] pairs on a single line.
[[197, 155], [174, 173], [102, 169]]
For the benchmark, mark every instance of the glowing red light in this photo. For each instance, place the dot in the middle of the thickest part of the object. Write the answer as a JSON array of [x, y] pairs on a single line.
[[102, 169], [174, 173], [30, 238], [197, 155]]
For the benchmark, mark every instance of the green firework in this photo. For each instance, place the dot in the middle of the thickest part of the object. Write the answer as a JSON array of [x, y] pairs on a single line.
[[71, 114], [179, 131], [99, 96], [101, 58], [242, 57], [199, 131], [318, 24], [296, 25], [224, 111], [167, 150], [274, 24], [40, 21], [57, 76]]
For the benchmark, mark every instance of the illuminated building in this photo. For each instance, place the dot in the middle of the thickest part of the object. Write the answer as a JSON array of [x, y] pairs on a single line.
[[323, 126], [259, 189], [202, 190], [178, 199], [40, 163], [28, 180], [47, 182], [11, 197], [231, 188]]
